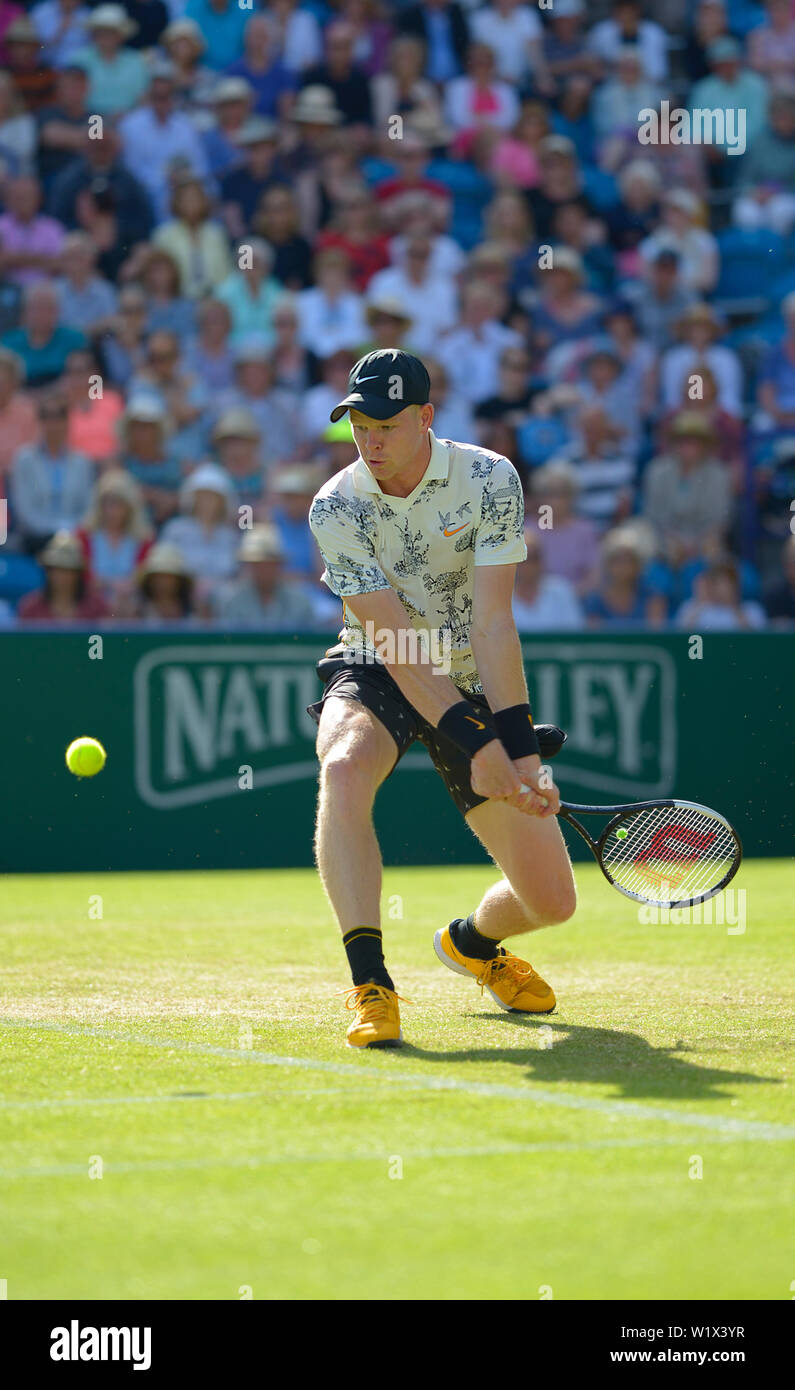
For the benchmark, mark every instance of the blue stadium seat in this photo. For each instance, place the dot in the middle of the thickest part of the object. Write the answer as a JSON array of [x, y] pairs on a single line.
[[600, 187], [744, 16], [750, 261], [471, 192], [783, 286], [19, 574], [539, 438], [374, 170]]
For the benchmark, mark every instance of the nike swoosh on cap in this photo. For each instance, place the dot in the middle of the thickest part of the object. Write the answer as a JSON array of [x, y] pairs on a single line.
[[360, 379]]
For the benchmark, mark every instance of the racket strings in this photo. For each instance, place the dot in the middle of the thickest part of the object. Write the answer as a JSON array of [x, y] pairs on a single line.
[[670, 853]]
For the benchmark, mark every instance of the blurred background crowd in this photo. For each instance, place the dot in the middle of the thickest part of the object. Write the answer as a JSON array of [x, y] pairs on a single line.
[[209, 210]]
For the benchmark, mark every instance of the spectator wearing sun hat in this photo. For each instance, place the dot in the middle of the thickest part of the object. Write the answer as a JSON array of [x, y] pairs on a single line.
[[699, 329], [65, 596], [117, 74], [280, 423], [232, 102], [165, 589], [144, 437], [261, 597], [206, 532], [687, 493], [185, 45], [237, 444], [115, 536], [292, 491]]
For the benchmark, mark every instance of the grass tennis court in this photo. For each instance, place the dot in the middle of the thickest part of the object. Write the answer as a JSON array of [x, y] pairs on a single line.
[[191, 1042]]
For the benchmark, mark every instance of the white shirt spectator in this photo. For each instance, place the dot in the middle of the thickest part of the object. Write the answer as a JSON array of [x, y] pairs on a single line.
[[606, 40], [453, 418], [555, 607], [679, 363], [472, 358], [208, 555], [508, 36], [694, 616], [699, 257], [149, 146], [459, 112], [446, 258], [301, 40], [325, 326], [316, 407], [431, 304]]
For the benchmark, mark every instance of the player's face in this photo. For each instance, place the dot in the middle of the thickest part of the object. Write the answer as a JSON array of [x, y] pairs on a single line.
[[390, 446]]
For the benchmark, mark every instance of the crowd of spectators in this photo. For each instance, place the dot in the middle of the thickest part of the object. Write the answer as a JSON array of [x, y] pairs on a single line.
[[210, 209]]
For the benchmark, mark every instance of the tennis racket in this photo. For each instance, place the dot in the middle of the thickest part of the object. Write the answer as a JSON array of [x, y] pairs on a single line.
[[665, 853]]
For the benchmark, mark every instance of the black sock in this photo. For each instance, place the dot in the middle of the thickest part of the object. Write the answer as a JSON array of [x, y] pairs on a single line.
[[469, 940], [364, 949]]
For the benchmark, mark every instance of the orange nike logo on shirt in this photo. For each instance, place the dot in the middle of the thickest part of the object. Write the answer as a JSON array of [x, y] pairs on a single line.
[[456, 530]]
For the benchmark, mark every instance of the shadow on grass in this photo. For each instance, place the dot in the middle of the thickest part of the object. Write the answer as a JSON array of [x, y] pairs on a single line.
[[604, 1056]]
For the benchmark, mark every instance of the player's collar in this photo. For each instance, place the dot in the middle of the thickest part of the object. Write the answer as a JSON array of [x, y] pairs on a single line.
[[438, 467]]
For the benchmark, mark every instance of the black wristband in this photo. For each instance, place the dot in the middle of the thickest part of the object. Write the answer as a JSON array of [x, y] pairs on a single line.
[[462, 725], [516, 732]]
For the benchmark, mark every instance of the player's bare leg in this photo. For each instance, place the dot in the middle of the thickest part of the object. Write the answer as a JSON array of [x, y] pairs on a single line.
[[537, 891], [356, 754], [538, 888]]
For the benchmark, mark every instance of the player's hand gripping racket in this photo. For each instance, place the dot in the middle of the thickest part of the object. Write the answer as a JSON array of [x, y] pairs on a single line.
[[667, 853]]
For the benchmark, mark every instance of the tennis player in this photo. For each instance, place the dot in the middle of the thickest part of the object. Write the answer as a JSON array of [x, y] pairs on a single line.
[[422, 535]]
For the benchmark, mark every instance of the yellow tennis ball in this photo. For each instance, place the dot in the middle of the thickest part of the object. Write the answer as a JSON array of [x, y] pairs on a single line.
[[85, 757]]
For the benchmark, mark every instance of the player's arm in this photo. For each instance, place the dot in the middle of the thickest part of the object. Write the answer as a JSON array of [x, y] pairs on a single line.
[[434, 694], [498, 657]]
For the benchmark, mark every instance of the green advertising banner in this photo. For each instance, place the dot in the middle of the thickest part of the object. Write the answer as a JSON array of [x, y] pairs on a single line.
[[211, 758]]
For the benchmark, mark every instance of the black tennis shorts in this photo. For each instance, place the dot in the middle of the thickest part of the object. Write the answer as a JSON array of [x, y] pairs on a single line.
[[370, 684]]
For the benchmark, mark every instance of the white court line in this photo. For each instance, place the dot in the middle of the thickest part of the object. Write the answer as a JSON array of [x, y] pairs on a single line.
[[535, 1095], [168, 1165], [165, 1098]]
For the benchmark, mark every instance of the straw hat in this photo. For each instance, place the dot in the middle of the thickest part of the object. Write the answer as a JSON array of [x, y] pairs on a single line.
[[316, 106], [117, 482], [112, 17], [387, 305], [163, 558], [691, 424], [300, 480], [236, 423], [208, 477], [63, 551], [184, 29], [262, 542]]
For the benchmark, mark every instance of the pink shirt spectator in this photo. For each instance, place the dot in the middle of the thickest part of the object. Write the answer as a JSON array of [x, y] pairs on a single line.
[[43, 236], [571, 551], [512, 161]]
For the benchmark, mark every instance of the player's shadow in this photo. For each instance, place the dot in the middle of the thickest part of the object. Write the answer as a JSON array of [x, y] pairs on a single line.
[[557, 1052]]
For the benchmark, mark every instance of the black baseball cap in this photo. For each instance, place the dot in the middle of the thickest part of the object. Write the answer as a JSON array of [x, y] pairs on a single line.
[[383, 383]]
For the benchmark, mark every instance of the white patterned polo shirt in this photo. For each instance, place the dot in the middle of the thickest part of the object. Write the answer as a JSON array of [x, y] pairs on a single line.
[[467, 510]]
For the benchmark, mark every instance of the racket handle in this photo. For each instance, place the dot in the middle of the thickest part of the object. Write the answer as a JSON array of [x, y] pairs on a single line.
[[523, 788]]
